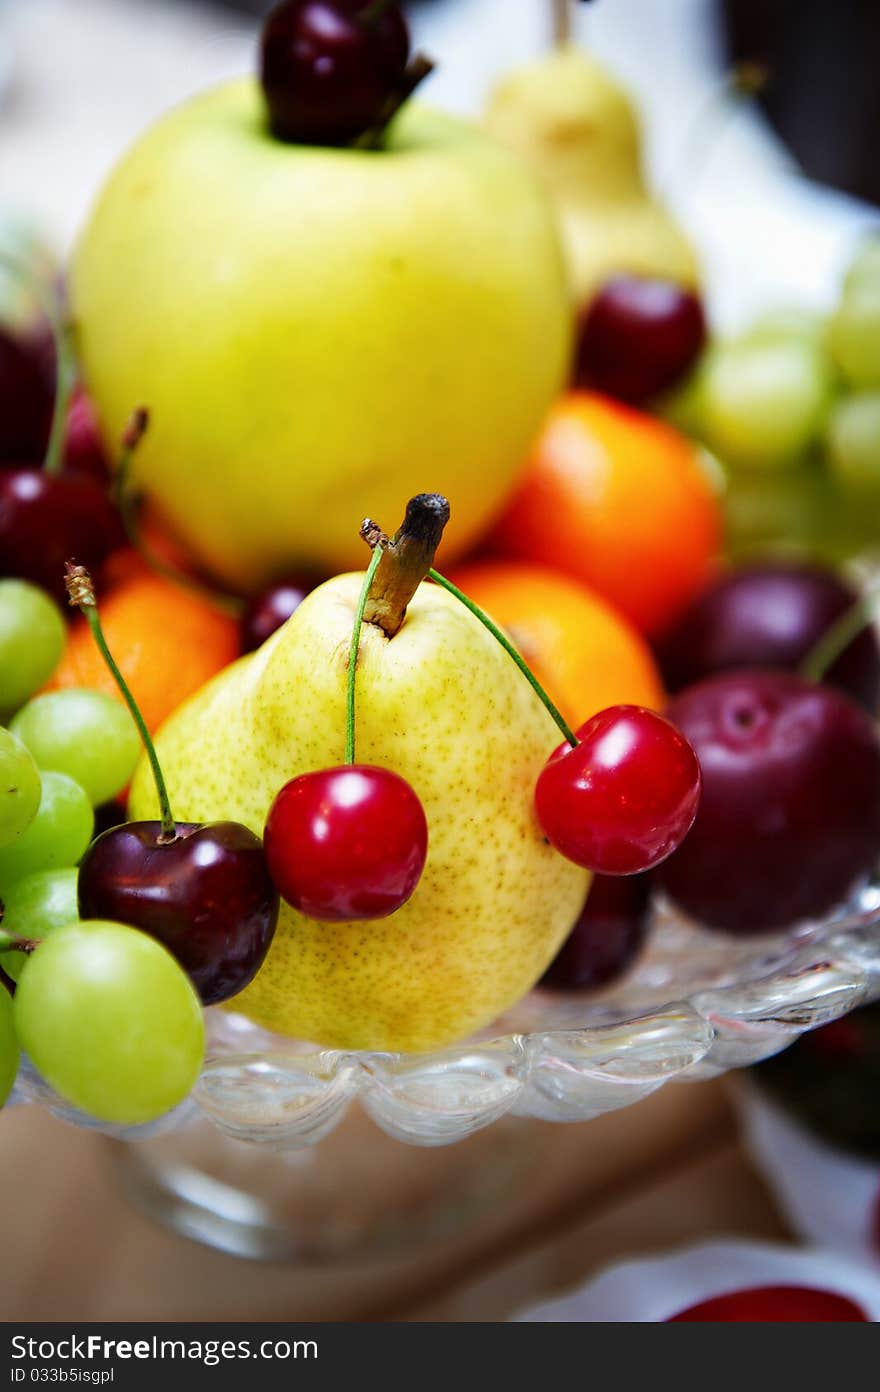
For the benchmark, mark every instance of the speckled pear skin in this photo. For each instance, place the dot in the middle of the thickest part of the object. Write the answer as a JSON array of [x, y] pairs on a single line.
[[443, 705]]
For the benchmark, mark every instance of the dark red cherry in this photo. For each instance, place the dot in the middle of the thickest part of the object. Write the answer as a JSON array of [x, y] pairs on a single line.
[[638, 337], [327, 74], [206, 896], [774, 1305], [770, 615], [270, 609], [346, 843], [607, 936], [625, 797], [48, 519], [83, 448], [789, 820], [25, 402]]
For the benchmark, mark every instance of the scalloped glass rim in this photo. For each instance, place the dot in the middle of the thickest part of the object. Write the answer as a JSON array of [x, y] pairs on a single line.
[[695, 1004]]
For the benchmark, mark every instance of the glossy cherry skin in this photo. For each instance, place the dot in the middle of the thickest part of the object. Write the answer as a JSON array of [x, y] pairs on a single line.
[[789, 821], [607, 936], [625, 797], [25, 403], [346, 843], [270, 609], [326, 75], [638, 337], [774, 1305], [46, 520], [206, 896], [770, 615]]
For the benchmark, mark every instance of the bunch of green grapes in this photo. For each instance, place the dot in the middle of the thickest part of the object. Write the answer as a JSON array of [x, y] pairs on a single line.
[[104, 1012], [791, 408]]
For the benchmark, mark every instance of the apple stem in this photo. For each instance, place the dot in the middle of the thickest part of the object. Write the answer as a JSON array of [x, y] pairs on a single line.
[[127, 504], [81, 594], [511, 651], [419, 67], [838, 636], [355, 647], [65, 363]]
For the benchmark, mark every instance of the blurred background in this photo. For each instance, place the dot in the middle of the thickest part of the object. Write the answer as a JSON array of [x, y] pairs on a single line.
[[776, 189]]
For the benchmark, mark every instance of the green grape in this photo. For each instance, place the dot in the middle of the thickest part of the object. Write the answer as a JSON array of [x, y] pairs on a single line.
[[787, 324], [854, 440], [19, 788], [864, 269], [854, 335], [85, 734], [8, 1047], [32, 638], [764, 403], [111, 1021], [36, 905], [56, 837]]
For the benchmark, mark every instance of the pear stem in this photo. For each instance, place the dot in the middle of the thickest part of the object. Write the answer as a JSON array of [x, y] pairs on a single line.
[[81, 592], [65, 364], [511, 651], [560, 22], [838, 636], [406, 559], [353, 651]]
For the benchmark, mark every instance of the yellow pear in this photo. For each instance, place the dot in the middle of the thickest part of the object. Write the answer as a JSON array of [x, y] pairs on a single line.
[[577, 128], [442, 704]]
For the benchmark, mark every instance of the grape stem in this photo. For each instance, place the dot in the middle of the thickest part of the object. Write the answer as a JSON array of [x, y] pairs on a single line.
[[81, 590], [355, 647], [65, 364], [838, 636], [501, 637]]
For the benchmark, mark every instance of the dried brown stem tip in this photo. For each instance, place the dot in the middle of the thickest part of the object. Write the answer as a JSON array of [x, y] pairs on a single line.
[[136, 429], [406, 559], [80, 586]]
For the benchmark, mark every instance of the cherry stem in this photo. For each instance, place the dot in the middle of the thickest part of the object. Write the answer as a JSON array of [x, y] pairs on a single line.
[[11, 942], [127, 505], [355, 646], [81, 592], [374, 11], [65, 363], [838, 636], [511, 651], [419, 67]]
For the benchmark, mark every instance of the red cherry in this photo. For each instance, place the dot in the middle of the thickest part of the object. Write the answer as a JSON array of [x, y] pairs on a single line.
[[625, 797], [271, 608], [774, 1305], [83, 448], [346, 843], [608, 934], [638, 337]]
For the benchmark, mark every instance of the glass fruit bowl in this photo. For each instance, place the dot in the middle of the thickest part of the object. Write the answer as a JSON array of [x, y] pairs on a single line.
[[239, 1165]]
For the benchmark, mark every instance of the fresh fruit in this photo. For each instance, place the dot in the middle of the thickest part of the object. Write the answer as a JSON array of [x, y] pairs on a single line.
[[576, 127], [774, 1305], [46, 519], [110, 1021], [9, 1052], [347, 843], [84, 734], [270, 609], [789, 821], [770, 614], [854, 441], [84, 451], [621, 502], [787, 323], [854, 334], [32, 637], [416, 319], [19, 788], [33, 907], [205, 894], [584, 653], [624, 797], [638, 337], [441, 704], [57, 835], [328, 72], [167, 640], [606, 937], [25, 403], [202, 891], [764, 403]]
